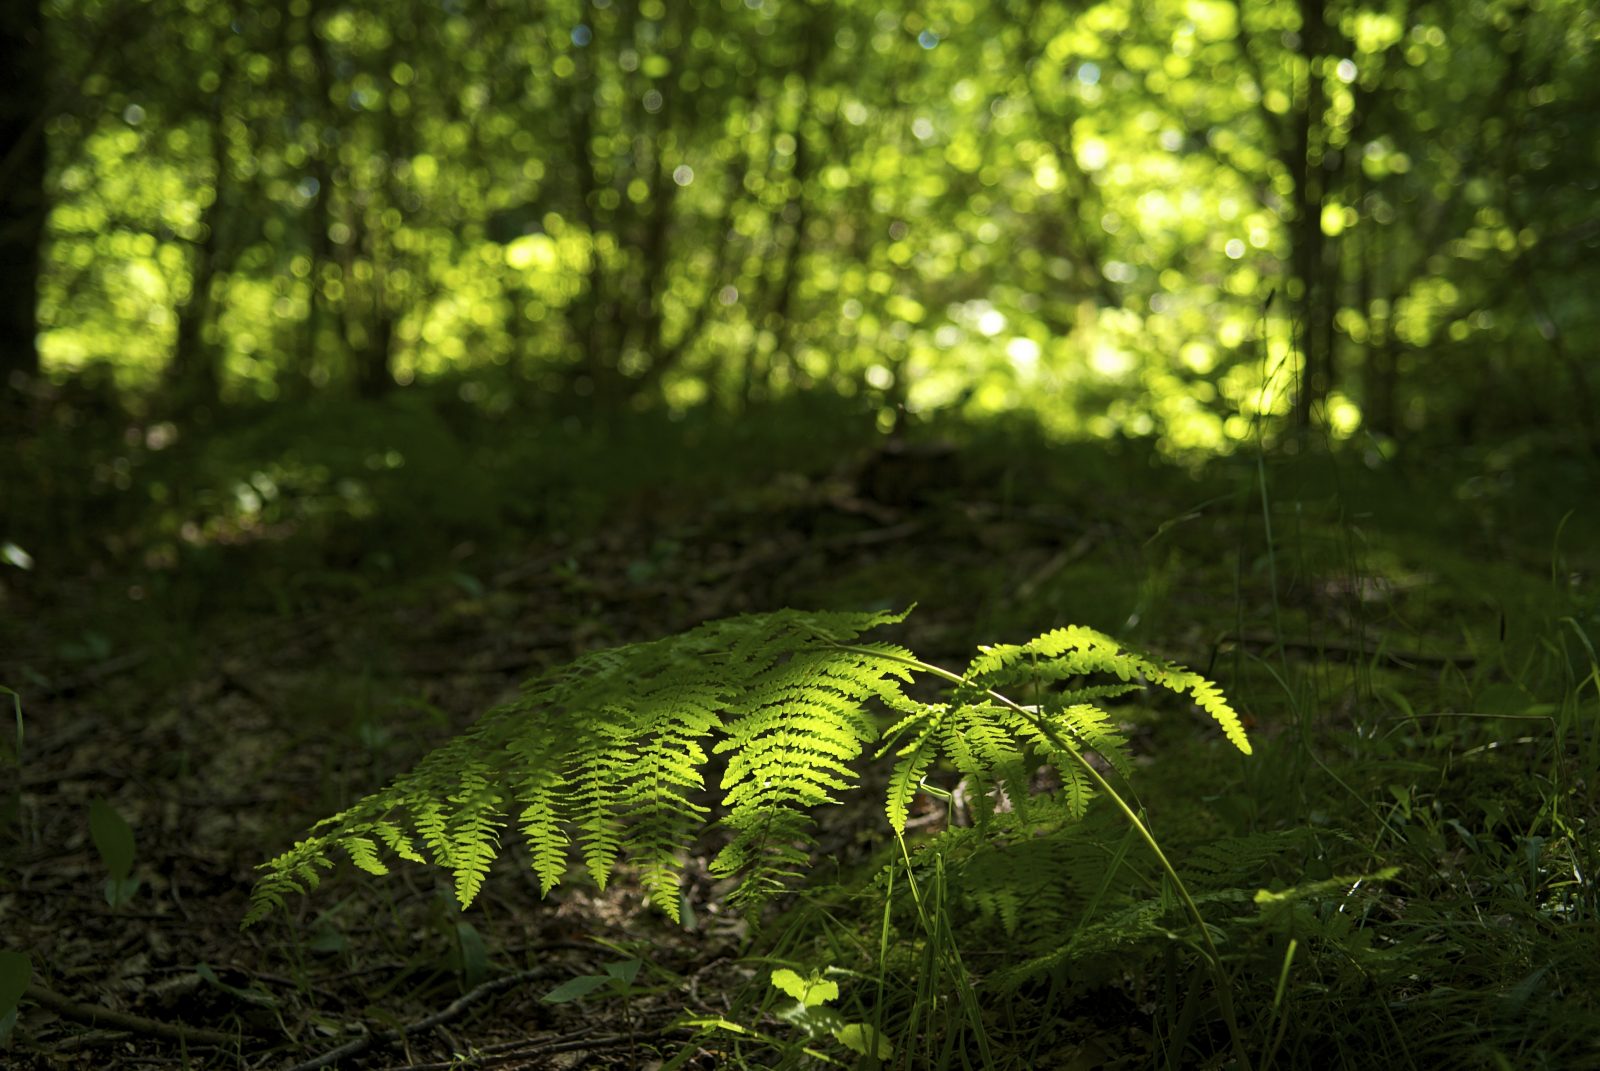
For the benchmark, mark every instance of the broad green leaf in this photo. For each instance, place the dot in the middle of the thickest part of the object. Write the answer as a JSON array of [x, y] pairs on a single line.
[[808, 991], [12, 756], [113, 838], [16, 971], [863, 1039], [624, 972], [474, 955], [120, 891], [576, 988]]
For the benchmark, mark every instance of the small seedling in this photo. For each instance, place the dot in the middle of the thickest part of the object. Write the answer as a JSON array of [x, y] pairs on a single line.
[[811, 1013]]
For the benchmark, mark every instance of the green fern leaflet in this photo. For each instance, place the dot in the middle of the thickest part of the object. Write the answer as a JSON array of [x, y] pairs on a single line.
[[604, 759]]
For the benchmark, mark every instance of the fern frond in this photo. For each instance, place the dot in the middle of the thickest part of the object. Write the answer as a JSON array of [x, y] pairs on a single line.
[[604, 758], [364, 854], [914, 760], [660, 792], [474, 828], [606, 755], [1091, 727], [983, 742], [395, 839], [791, 744], [1077, 651]]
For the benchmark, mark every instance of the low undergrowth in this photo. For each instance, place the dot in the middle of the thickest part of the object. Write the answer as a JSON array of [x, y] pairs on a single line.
[[1401, 875]]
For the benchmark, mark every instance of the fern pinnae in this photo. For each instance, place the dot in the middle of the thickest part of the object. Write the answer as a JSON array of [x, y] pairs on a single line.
[[428, 817], [665, 817], [363, 853], [906, 777], [600, 765], [536, 771], [474, 829], [791, 745], [1091, 727], [985, 746]]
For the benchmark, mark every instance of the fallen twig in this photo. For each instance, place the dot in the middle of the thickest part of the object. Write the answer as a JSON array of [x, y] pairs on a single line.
[[366, 1041], [106, 1018], [517, 1051]]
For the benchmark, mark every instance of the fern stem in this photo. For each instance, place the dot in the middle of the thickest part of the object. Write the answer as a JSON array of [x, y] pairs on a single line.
[[1213, 957]]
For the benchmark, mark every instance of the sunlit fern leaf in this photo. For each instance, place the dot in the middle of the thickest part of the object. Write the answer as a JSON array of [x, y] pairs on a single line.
[[1076, 789], [428, 817], [599, 768], [539, 783], [1091, 728], [474, 829], [1093, 693], [906, 777], [667, 769], [982, 742], [792, 742], [391, 836], [605, 757], [606, 754], [1076, 651], [364, 854]]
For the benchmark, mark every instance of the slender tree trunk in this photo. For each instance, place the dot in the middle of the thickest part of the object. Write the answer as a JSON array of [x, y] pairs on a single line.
[[588, 316], [1312, 302], [306, 369], [24, 207], [795, 215], [1378, 366], [374, 365], [194, 376], [656, 252], [783, 304]]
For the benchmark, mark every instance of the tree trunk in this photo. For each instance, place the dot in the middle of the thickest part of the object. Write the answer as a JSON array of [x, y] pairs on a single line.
[[1312, 302], [194, 376], [374, 373], [24, 207]]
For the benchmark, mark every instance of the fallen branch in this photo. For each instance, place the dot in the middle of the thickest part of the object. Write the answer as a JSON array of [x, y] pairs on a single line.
[[356, 1046], [96, 1015], [518, 1052]]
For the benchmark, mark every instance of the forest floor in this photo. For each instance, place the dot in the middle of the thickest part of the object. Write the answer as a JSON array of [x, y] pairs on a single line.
[[228, 643]]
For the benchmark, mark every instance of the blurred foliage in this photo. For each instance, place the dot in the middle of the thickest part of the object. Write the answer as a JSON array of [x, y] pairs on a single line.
[[1080, 209]]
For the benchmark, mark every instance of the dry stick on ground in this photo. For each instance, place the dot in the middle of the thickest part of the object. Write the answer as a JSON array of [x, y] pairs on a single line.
[[95, 1015], [443, 1015], [574, 1042], [1057, 562]]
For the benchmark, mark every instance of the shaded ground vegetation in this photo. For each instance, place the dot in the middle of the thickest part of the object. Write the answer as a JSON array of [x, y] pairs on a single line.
[[226, 636]]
